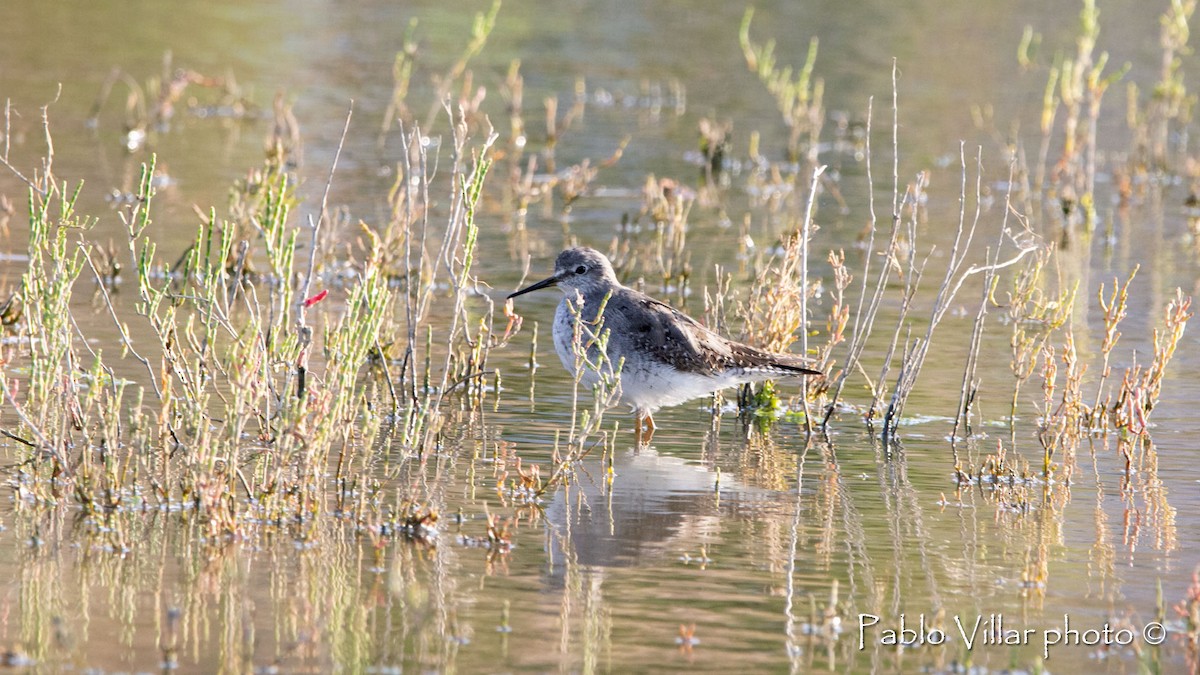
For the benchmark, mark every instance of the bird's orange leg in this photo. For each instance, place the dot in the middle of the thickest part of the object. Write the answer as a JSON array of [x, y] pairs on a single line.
[[643, 429]]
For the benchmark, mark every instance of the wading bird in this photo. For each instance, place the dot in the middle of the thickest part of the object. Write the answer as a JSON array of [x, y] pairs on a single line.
[[666, 356]]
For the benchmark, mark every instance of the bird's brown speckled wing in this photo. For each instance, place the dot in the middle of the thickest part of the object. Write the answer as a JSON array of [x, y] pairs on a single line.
[[681, 341]]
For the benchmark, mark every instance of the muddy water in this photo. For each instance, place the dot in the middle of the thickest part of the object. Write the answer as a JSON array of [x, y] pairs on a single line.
[[709, 550]]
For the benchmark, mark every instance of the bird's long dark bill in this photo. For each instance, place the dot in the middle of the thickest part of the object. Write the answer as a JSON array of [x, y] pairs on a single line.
[[544, 283]]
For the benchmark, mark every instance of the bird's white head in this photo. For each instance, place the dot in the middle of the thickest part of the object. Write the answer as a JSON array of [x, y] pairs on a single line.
[[580, 269]]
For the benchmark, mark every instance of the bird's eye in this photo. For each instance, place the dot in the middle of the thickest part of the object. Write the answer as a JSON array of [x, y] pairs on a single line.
[[582, 269]]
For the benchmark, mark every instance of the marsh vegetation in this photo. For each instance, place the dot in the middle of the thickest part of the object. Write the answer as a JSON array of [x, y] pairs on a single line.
[[265, 408]]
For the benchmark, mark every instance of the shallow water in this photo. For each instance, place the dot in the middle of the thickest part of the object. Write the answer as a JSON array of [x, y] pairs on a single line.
[[745, 536]]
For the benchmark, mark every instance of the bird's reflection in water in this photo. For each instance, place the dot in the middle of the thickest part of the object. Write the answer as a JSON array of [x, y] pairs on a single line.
[[658, 506]]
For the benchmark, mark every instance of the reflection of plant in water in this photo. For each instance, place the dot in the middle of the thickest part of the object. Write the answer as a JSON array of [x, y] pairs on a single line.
[[764, 461], [820, 629], [687, 638], [1024, 502], [1145, 496]]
